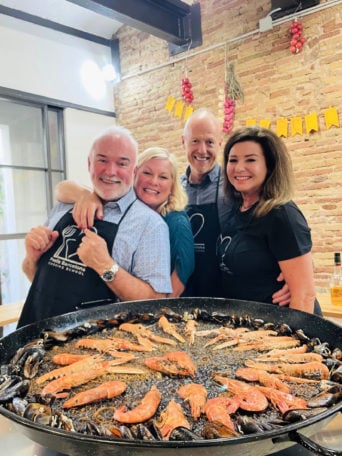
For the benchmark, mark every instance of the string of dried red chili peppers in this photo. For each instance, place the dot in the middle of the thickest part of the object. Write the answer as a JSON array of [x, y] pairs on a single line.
[[297, 39]]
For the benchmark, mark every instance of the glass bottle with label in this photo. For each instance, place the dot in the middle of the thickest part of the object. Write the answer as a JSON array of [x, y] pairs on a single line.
[[336, 281]]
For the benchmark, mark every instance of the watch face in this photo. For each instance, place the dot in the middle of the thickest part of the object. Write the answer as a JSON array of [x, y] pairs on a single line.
[[108, 276]]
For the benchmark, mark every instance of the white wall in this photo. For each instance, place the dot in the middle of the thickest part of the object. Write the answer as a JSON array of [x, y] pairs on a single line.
[[41, 61], [47, 63], [80, 130]]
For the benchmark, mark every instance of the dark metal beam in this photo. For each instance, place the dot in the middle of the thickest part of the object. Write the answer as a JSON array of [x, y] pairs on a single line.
[[169, 20]]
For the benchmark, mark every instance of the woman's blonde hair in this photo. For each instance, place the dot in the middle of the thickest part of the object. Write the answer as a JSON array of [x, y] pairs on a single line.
[[178, 198], [278, 187]]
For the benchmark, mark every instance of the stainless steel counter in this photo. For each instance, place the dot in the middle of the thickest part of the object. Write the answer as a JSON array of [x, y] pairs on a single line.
[[13, 443]]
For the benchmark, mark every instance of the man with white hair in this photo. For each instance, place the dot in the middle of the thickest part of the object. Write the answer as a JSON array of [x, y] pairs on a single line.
[[125, 256]]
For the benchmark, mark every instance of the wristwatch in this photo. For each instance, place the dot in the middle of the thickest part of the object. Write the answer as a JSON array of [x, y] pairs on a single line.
[[109, 274]]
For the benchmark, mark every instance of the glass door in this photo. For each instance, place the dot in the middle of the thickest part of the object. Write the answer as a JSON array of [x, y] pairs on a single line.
[[31, 163]]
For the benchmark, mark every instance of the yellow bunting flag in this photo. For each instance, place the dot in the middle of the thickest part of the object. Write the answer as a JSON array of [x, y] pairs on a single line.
[[331, 118], [188, 111], [296, 126], [265, 123], [282, 127], [179, 109], [251, 122], [311, 122], [170, 103]]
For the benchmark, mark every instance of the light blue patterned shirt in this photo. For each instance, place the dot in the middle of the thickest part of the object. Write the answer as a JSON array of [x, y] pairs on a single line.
[[141, 246]]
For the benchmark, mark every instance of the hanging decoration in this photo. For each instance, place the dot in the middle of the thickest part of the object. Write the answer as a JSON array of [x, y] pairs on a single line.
[[182, 108], [297, 40], [311, 122], [187, 90], [331, 118], [233, 92], [297, 123]]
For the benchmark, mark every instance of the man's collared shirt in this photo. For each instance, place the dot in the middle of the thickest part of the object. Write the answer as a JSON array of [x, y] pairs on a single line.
[[141, 246]]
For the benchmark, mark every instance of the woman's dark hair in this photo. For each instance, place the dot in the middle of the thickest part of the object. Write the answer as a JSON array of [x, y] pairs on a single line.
[[278, 185]]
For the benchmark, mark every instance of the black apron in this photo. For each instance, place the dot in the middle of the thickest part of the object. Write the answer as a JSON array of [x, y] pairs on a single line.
[[205, 280], [63, 283]]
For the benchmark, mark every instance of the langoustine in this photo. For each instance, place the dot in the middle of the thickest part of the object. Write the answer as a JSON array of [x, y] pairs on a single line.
[[106, 390]]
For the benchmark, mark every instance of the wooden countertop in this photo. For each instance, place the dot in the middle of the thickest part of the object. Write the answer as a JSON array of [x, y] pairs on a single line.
[[9, 313], [328, 309]]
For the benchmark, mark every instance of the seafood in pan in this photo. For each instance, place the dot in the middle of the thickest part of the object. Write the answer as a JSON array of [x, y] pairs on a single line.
[[168, 376]]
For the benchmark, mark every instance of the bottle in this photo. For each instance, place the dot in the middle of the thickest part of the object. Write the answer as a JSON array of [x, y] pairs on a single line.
[[336, 281]]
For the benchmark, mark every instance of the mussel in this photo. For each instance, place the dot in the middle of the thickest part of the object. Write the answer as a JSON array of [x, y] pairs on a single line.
[[216, 430], [12, 386], [182, 433], [326, 398], [336, 376], [294, 415], [38, 413]]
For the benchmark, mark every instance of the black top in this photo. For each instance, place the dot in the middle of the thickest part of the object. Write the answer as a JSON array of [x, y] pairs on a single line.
[[250, 247]]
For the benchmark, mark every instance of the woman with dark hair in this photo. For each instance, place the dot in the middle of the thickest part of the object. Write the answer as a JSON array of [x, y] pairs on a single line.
[[266, 232]]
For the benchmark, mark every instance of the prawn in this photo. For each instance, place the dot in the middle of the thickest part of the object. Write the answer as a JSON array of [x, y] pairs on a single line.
[[173, 363], [170, 328], [190, 330], [283, 401], [144, 336], [196, 395], [263, 377], [106, 390], [143, 412], [249, 397], [219, 409], [171, 418], [313, 370]]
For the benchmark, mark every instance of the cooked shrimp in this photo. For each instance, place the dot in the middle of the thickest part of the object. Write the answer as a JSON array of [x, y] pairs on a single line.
[[69, 381], [143, 412], [64, 359], [170, 418], [145, 336], [293, 358], [263, 377], [110, 344], [219, 410], [106, 390], [280, 352], [249, 397], [190, 330], [313, 370], [196, 395], [170, 328], [173, 363], [83, 365], [283, 401]]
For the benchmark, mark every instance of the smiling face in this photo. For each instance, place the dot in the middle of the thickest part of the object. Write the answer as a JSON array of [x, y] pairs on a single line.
[[246, 168], [111, 165], [202, 140], [153, 183]]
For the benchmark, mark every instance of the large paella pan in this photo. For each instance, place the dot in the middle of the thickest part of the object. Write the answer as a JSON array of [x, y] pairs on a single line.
[[214, 360]]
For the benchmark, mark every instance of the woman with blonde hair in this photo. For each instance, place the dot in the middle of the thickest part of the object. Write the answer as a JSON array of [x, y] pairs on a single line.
[[157, 185]]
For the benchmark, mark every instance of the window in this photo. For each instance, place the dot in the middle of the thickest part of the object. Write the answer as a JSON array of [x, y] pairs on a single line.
[[32, 161]]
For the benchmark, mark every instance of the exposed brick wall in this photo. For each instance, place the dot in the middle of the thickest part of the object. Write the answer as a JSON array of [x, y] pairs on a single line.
[[276, 84]]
